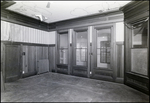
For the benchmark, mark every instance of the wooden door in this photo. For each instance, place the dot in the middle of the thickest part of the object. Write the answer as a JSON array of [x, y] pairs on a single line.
[[12, 63], [63, 53], [102, 59], [29, 60], [81, 50]]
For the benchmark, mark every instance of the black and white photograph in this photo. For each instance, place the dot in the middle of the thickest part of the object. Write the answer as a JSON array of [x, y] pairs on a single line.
[[75, 51]]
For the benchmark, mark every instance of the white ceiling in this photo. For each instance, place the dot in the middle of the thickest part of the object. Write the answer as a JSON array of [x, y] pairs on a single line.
[[63, 10]]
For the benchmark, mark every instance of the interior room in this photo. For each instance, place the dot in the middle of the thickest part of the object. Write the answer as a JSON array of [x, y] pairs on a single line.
[[74, 51]]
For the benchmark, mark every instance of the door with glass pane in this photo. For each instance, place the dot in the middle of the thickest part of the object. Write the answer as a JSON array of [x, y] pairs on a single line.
[[81, 52], [62, 55], [102, 49]]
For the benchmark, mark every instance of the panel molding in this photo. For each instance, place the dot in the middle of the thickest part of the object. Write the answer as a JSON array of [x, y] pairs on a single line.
[[100, 18], [20, 19], [25, 43]]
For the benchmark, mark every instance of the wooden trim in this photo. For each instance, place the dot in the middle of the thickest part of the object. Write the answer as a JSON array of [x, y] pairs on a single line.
[[74, 51], [62, 66], [148, 49], [99, 27], [133, 79], [3, 60], [133, 19], [74, 41], [69, 55], [78, 29], [113, 48], [88, 53], [24, 20], [132, 5], [120, 61], [120, 43], [21, 19], [25, 43], [21, 59], [56, 53], [5, 4], [62, 31]]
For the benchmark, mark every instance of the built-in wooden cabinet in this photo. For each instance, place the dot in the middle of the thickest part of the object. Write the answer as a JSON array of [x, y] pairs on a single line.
[[137, 45]]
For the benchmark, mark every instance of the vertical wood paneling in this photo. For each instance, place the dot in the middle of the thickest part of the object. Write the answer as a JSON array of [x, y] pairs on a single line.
[[45, 52], [40, 36], [25, 59], [6, 30], [31, 59], [30, 35], [37, 36], [46, 37], [39, 50], [21, 39], [21, 33], [24, 39], [3, 59], [34, 35], [12, 58], [52, 58], [120, 61]]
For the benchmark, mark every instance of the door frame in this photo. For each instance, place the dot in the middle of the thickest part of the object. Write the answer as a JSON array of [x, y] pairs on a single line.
[[81, 68], [111, 74], [19, 62], [57, 55]]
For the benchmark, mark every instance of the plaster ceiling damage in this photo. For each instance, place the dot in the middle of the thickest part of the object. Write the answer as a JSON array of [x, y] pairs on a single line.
[[54, 11]]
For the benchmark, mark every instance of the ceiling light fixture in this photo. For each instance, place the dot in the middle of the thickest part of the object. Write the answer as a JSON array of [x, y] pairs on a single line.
[[48, 5], [41, 17]]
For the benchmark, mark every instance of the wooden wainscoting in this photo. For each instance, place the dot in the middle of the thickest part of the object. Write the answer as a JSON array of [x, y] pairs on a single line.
[[51, 56], [120, 62]]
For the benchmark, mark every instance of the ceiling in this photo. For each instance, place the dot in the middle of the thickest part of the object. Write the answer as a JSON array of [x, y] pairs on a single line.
[[63, 10]]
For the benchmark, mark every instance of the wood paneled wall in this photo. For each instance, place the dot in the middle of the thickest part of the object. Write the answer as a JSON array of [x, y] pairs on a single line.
[[51, 56], [33, 54], [18, 33], [3, 59], [120, 61]]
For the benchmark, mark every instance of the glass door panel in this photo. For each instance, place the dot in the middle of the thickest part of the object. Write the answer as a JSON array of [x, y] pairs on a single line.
[[103, 48], [63, 49], [81, 48]]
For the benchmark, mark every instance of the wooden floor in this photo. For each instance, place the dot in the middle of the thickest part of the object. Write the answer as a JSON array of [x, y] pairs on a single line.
[[54, 87]]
